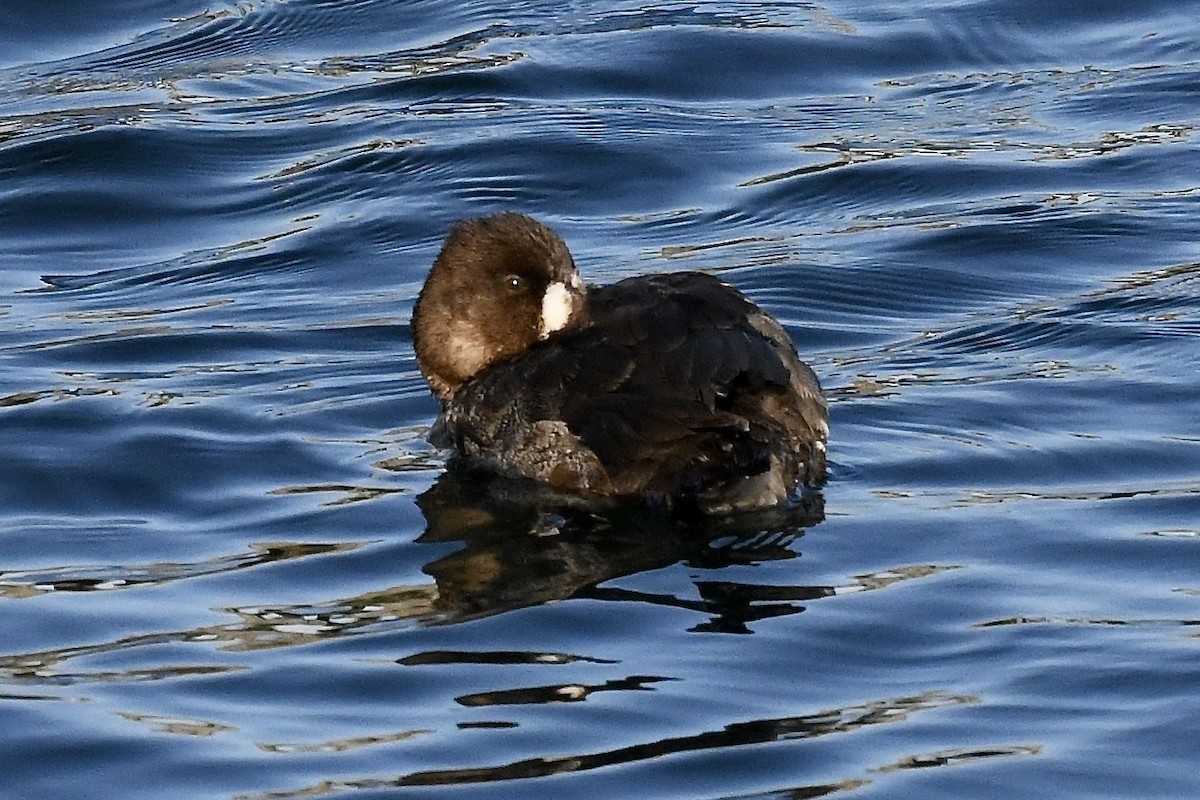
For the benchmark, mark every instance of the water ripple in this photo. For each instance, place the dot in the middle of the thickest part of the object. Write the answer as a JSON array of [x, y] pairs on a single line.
[[234, 562]]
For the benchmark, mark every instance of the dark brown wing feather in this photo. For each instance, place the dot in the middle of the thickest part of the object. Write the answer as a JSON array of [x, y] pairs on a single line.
[[679, 388]]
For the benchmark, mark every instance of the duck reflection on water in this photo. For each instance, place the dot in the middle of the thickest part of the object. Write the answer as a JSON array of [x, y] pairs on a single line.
[[509, 550], [520, 548]]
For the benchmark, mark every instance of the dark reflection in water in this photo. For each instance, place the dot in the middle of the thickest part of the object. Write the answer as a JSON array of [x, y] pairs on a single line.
[[517, 553], [795, 728], [558, 693], [513, 553]]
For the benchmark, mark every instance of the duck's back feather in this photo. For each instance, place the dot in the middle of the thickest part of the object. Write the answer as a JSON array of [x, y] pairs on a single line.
[[678, 389]]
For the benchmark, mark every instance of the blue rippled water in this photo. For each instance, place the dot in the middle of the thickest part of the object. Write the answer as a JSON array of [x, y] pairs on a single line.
[[231, 566]]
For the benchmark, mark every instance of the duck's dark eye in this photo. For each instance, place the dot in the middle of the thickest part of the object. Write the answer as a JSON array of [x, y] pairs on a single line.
[[514, 283]]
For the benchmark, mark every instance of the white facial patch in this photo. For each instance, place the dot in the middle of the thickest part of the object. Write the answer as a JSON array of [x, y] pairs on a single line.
[[557, 306]]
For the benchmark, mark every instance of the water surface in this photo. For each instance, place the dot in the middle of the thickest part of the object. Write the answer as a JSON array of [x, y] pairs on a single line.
[[231, 566]]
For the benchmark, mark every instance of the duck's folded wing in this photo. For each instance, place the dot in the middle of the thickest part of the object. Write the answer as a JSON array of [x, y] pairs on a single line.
[[679, 384]]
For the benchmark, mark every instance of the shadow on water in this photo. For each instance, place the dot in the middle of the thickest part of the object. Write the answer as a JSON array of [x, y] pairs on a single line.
[[513, 551], [517, 553], [805, 727]]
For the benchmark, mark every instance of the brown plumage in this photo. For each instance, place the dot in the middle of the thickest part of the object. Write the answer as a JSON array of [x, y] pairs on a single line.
[[674, 389]]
